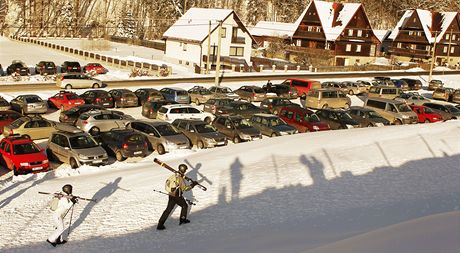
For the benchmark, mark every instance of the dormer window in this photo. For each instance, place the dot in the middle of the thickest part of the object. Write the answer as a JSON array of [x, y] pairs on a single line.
[[360, 33], [350, 32], [447, 36]]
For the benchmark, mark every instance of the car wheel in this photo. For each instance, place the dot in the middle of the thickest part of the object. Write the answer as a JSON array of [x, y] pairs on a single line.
[[68, 87], [273, 135], [351, 93], [197, 101], [370, 125], [96, 85], [236, 139], [398, 122], [50, 155], [275, 112], [200, 145], [427, 121], [161, 149], [73, 163], [94, 131], [119, 156], [26, 136], [15, 171], [207, 120]]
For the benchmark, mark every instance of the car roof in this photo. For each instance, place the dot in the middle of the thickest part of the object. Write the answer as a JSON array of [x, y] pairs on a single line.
[[152, 122], [294, 108], [386, 100], [17, 139], [122, 90], [30, 95], [360, 108], [176, 88], [178, 106], [265, 115], [191, 121]]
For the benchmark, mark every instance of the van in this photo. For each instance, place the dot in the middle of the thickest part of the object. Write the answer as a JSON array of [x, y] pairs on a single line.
[[302, 85], [327, 98], [397, 112], [387, 92]]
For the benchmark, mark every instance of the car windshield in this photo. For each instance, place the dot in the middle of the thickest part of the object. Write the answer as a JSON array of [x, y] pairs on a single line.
[[241, 123], [182, 93], [373, 115], [343, 116], [342, 95], [404, 108], [33, 99], [311, 118], [204, 128], [17, 123], [205, 92], [225, 90], [73, 96], [276, 122], [166, 130], [83, 141], [259, 90], [428, 110], [25, 148]]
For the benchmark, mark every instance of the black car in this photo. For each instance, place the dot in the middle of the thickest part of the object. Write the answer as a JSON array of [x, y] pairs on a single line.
[[150, 108], [367, 117], [45, 67], [337, 118], [275, 104], [70, 116], [245, 109], [98, 97], [445, 110], [124, 143], [148, 94], [281, 90], [18, 67], [414, 84], [70, 67], [214, 104]]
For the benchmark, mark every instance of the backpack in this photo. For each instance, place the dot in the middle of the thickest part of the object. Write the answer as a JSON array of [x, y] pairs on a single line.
[[54, 202], [171, 185]]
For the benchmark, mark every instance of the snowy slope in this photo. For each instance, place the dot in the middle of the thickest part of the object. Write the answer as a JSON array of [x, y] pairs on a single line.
[[288, 194]]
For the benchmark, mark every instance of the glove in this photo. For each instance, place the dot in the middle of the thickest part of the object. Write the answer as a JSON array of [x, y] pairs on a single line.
[[74, 200], [193, 184]]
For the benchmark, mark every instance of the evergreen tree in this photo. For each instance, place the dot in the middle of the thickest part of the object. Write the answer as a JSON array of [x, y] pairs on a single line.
[[256, 11]]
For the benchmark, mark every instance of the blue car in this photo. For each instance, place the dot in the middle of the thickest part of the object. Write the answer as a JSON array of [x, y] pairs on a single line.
[[178, 95]]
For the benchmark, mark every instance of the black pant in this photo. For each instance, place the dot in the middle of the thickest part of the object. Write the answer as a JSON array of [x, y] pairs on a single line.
[[173, 201]]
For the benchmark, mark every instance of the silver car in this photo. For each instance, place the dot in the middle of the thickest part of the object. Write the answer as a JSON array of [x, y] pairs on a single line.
[[223, 92], [76, 148], [97, 121], [162, 136], [27, 104]]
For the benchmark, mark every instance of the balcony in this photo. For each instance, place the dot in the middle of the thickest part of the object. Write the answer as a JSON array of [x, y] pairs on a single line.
[[415, 53], [238, 40]]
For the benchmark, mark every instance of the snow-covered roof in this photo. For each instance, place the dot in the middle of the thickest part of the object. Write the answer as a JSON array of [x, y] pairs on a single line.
[[381, 34], [273, 29], [333, 19], [427, 20], [194, 24]]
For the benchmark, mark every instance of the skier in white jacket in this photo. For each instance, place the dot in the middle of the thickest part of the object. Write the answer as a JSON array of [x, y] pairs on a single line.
[[65, 203]]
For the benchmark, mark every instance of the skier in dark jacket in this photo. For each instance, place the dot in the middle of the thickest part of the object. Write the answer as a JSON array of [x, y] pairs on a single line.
[[176, 186]]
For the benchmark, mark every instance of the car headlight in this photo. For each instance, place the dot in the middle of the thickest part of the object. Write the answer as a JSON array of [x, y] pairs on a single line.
[[209, 140], [45, 161], [24, 164], [405, 117], [245, 136], [83, 157], [316, 128]]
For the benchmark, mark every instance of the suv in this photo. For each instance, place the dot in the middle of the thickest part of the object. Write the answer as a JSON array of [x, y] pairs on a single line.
[[33, 127], [200, 134], [123, 98], [171, 112], [434, 84], [223, 92], [45, 68], [65, 100], [303, 86], [387, 92], [150, 108], [396, 112], [27, 104], [302, 119], [22, 155], [162, 136], [176, 94], [70, 81], [443, 94], [253, 93], [199, 94], [446, 111], [18, 67], [367, 117], [148, 94], [236, 128], [70, 66], [75, 147], [337, 118], [327, 98], [98, 97], [271, 125], [414, 84], [275, 104], [124, 143], [95, 122]]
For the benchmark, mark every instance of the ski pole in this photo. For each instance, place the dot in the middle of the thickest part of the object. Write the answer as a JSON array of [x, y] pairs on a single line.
[[187, 200], [71, 215]]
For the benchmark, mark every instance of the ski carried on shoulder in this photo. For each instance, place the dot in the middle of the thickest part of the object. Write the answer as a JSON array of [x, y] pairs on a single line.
[[60, 195], [164, 165]]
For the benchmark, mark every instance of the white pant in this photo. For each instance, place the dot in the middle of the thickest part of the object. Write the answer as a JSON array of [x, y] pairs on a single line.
[[59, 232]]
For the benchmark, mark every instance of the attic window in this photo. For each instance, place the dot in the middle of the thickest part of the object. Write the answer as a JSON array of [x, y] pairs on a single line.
[[453, 37], [350, 32], [419, 34], [348, 48], [360, 33], [447, 36]]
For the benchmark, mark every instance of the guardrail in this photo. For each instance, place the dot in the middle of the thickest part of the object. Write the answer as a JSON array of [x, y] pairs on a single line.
[[151, 69]]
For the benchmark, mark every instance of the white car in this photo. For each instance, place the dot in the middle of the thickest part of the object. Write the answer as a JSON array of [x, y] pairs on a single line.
[[169, 113], [70, 81]]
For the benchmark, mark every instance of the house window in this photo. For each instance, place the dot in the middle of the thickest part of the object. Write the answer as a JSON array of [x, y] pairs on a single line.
[[298, 43], [360, 33], [318, 29], [184, 47], [358, 48], [413, 46], [452, 50], [427, 48], [453, 36], [223, 33], [444, 50], [447, 36], [350, 32], [236, 51], [411, 33], [235, 32], [419, 34], [310, 28], [348, 48], [399, 45]]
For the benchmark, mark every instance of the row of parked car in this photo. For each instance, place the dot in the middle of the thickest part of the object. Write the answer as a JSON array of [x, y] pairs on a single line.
[[50, 68]]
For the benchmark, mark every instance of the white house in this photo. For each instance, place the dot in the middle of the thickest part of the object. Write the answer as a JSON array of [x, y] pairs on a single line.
[[187, 40]]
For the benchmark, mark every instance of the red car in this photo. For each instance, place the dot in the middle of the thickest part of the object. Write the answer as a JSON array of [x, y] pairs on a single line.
[[96, 67], [65, 100], [425, 114], [6, 117], [22, 155], [303, 86], [302, 119]]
